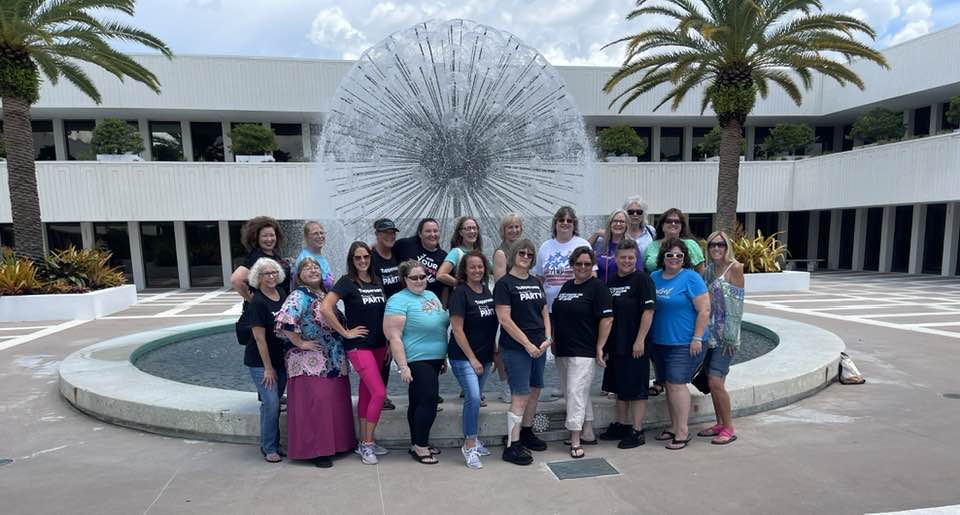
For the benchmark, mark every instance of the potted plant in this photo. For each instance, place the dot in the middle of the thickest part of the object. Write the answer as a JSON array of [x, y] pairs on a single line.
[[786, 139], [709, 148], [877, 125], [953, 113], [621, 143], [252, 143], [116, 140]]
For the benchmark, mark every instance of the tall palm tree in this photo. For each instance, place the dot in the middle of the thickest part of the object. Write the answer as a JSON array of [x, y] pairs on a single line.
[[736, 49], [50, 36]]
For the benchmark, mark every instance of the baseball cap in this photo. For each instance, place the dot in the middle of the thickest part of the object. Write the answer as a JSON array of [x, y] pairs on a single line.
[[384, 224]]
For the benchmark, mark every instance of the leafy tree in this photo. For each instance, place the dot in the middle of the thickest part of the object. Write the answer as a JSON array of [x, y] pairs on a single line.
[[736, 49], [710, 146], [620, 140], [953, 112], [115, 136], [788, 138], [877, 124], [248, 139], [50, 37]]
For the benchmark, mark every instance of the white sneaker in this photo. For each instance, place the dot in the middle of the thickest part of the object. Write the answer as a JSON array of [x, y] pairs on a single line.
[[472, 458], [482, 449], [366, 454], [378, 450], [505, 392]]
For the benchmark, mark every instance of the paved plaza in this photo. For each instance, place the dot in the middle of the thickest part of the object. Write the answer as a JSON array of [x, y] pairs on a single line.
[[886, 446]]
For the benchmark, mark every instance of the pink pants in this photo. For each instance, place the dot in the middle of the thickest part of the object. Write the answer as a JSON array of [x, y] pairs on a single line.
[[367, 363]]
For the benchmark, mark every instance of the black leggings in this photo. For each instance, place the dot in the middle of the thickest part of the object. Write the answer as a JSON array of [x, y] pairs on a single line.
[[385, 372], [422, 392]]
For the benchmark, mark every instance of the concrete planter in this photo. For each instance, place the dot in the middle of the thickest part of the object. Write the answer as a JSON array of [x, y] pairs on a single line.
[[266, 158], [777, 281], [622, 159], [72, 306], [119, 158]]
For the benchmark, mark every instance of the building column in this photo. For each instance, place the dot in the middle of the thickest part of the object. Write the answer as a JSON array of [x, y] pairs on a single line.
[[186, 135], [751, 138], [87, 236], [917, 233], [225, 130], [183, 258], [46, 244], [144, 125], [833, 253], [859, 238], [308, 147], [688, 143], [813, 235], [908, 122], [59, 140], [887, 231], [951, 239], [750, 225], [226, 258], [136, 255], [655, 144], [838, 137], [783, 225]]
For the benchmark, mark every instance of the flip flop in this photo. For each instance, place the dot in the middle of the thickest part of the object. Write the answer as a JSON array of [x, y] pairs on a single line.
[[676, 445], [577, 452], [664, 436], [711, 431], [429, 459], [583, 442], [724, 433], [655, 389]]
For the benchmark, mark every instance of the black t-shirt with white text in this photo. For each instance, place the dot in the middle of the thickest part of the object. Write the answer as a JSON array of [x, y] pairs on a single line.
[[262, 313], [632, 295], [386, 270], [479, 322], [526, 300], [363, 306], [256, 254], [412, 248], [576, 315]]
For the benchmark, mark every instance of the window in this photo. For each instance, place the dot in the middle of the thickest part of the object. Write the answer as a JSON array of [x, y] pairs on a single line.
[[6, 235], [43, 140], [872, 236], [699, 133], [62, 235], [203, 253], [847, 142], [798, 228], [207, 138], [921, 121], [824, 139], [759, 146], [159, 254], [289, 141], [701, 224], [116, 238], [166, 141], [78, 134], [237, 251], [933, 239], [671, 143]]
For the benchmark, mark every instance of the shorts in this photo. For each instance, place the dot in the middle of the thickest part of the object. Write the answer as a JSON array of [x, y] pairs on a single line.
[[523, 372], [676, 363], [719, 363], [627, 377]]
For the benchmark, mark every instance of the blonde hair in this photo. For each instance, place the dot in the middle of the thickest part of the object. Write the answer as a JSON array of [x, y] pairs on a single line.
[[729, 256], [260, 267], [508, 219], [626, 222]]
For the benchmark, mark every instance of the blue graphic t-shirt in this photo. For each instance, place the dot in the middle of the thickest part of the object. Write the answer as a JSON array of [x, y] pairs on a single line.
[[553, 265], [676, 315], [425, 330]]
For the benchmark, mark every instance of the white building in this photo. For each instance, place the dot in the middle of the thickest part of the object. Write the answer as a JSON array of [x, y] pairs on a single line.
[[173, 220]]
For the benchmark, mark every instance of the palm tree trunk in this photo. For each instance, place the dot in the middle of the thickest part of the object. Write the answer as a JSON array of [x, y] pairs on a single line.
[[22, 178], [728, 178]]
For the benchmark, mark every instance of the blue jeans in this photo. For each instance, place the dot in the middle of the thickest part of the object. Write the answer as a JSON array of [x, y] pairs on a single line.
[[269, 408], [472, 386], [523, 372]]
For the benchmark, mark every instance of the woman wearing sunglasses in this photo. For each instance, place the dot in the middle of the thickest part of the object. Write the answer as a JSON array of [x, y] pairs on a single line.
[[553, 259], [638, 229], [673, 224], [679, 329]]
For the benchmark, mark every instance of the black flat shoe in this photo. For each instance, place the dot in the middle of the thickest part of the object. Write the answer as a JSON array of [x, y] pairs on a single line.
[[323, 462]]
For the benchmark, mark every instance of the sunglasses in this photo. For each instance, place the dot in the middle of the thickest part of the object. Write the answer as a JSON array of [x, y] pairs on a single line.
[[359, 257], [674, 255], [566, 220], [583, 264], [420, 277], [634, 212], [717, 245], [525, 253], [672, 221]]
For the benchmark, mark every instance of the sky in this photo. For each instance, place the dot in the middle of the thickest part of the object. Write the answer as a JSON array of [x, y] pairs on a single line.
[[566, 32]]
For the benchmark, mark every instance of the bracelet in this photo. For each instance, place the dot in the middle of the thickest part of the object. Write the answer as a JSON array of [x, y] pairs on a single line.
[[698, 339]]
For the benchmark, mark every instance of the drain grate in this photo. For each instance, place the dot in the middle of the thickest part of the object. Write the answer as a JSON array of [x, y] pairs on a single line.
[[5, 461], [587, 467], [951, 396]]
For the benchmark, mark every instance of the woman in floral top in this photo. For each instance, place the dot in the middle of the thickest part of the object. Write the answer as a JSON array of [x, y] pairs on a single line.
[[319, 410]]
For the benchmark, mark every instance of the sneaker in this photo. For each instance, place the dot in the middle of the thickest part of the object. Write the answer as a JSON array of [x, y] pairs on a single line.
[[631, 439], [366, 454], [378, 450], [472, 457], [505, 395], [482, 449], [388, 405], [514, 454], [530, 440], [615, 431]]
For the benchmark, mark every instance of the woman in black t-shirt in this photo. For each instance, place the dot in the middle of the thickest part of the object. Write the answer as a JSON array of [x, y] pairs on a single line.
[[424, 248], [522, 312], [473, 321], [264, 353], [261, 236], [363, 338], [582, 316]]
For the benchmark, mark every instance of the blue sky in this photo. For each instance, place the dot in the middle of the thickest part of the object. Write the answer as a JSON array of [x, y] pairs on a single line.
[[565, 31]]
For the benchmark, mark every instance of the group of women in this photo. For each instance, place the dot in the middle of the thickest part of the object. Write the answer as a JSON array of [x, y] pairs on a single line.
[[591, 303]]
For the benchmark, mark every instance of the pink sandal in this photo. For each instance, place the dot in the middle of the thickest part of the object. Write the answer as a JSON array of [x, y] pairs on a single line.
[[711, 431], [724, 437]]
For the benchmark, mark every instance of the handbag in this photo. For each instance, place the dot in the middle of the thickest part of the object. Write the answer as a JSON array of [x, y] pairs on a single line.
[[243, 328], [848, 372], [700, 380]]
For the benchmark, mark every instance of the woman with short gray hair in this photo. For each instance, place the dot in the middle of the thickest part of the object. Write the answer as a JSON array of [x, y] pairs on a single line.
[[637, 228]]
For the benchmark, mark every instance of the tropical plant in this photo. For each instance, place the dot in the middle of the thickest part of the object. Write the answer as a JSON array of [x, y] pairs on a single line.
[[50, 37], [72, 271], [760, 254], [621, 140], [736, 49], [788, 138], [877, 124], [115, 136], [953, 112], [18, 276], [249, 139]]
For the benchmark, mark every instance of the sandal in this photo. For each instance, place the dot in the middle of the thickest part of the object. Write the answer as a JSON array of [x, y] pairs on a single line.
[[676, 445], [582, 442], [711, 431], [434, 450], [576, 452], [664, 436], [724, 437], [429, 459], [273, 457], [655, 389]]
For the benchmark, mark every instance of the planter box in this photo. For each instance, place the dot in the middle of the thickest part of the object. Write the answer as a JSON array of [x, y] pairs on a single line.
[[119, 158], [254, 159], [622, 159], [777, 281], [71, 306]]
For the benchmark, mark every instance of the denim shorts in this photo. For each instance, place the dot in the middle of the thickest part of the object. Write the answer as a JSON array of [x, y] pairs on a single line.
[[676, 363], [523, 372], [719, 364]]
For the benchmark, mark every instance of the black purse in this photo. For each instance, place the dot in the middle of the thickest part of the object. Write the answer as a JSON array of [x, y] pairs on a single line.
[[243, 328], [700, 379]]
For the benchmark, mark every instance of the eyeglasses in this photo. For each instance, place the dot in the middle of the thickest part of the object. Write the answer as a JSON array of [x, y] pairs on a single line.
[[634, 212], [361, 257], [525, 254], [566, 220], [717, 245], [672, 221], [270, 273], [617, 222], [420, 277], [674, 255], [469, 229], [309, 267], [583, 264]]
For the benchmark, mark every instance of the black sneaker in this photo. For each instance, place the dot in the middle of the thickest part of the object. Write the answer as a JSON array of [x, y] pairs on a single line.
[[323, 462], [530, 440], [514, 454], [615, 431], [388, 405], [631, 439]]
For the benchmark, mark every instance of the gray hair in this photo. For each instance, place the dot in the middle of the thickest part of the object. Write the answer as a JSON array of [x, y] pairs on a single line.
[[262, 265], [635, 199]]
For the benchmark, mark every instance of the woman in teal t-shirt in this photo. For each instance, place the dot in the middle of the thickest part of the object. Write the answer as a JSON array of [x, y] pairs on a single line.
[[673, 224], [415, 324], [466, 237]]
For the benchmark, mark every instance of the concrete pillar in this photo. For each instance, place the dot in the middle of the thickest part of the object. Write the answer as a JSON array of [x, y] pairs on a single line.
[[226, 258], [951, 239], [183, 258], [144, 126], [308, 147], [59, 140], [46, 244], [917, 233], [751, 139], [86, 235], [813, 235], [655, 144], [833, 253], [187, 136], [859, 238], [136, 255], [750, 225], [887, 231], [936, 113], [688, 143], [783, 225], [908, 122], [838, 138], [227, 153]]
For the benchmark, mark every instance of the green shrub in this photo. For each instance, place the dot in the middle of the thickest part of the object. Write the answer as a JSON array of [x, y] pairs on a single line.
[[877, 125], [248, 139], [760, 254], [77, 271], [789, 138], [115, 136], [953, 112], [621, 140], [710, 146]]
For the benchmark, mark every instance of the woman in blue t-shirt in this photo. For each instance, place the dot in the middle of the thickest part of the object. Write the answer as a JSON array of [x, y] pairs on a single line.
[[683, 311], [415, 324]]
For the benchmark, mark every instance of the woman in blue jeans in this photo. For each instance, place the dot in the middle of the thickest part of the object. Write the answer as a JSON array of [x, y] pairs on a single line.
[[473, 322], [264, 354]]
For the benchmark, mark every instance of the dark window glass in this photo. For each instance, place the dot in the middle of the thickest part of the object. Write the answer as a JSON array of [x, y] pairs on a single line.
[[847, 219], [78, 134], [671, 144], [767, 222], [63, 235], [921, 121], [159, 254], [237, 252], [207, 138], [115, 237], [798, 228], [6, 235], [698, 134], [944, 123], [759, 137], [871, 254], [43, 140], [933, 238], [701, 224], [645, 134], [823, 238], [290, 141], [166, 141], [824, 139], [203, 251], [903, 222], [847, 142]]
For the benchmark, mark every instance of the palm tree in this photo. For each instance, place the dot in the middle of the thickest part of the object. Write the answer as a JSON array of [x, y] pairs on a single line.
[[736, 49], [50, 36]]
